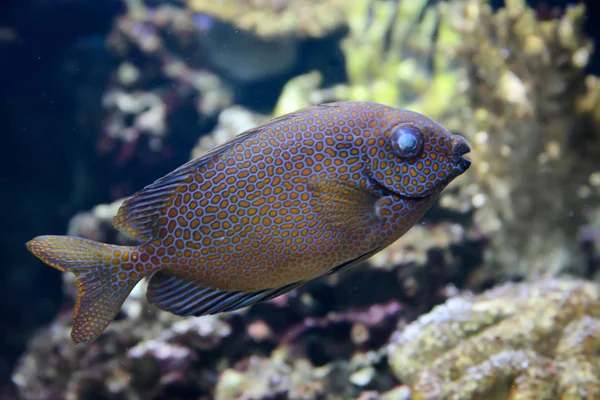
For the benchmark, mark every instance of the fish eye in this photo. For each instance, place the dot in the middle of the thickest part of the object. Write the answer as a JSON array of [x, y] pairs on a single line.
[[407, 140]]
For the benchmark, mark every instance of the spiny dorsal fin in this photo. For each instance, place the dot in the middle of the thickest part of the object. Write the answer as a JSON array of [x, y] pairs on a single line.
[[172, 293], [138, 216]]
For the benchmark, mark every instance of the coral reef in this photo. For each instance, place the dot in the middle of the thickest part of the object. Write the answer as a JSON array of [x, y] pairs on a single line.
[[527, 340], [517, 341], [147, 355]]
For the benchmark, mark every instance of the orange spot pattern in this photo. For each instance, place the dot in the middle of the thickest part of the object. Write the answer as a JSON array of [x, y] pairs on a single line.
[[300, 196]]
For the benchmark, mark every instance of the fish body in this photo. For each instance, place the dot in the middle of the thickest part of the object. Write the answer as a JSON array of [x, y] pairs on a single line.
[[303, 195]]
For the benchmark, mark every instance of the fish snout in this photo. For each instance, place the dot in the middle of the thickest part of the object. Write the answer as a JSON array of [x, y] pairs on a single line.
[[461, 147]]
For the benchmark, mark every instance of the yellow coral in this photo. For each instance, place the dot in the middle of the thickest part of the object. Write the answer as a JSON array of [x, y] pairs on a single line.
[[400, 53], [518, 341], [276, 18]]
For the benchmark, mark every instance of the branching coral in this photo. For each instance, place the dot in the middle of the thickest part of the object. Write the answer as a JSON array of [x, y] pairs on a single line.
[[518, 341]]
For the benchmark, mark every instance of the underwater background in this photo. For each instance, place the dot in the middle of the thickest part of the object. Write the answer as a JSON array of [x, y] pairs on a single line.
[[494, 295]]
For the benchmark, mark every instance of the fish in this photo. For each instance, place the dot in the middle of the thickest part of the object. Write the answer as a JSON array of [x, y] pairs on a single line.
[[303, 195]]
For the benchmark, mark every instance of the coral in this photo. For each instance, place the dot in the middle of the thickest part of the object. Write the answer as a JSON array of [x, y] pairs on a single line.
[[292, 371], [528, 340], [282, 376], [159, 82], [286, 376], [534, 142], [277, 18], [401, 54], [146, 355]]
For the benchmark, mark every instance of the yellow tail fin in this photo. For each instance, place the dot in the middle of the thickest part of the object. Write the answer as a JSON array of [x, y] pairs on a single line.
[[105, 275]]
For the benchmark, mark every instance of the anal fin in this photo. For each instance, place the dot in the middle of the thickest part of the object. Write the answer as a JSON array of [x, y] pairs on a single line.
[[352, 263], [179, 296]]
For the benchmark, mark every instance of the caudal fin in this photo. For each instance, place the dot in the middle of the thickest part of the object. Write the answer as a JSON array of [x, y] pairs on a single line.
[[105, 275]]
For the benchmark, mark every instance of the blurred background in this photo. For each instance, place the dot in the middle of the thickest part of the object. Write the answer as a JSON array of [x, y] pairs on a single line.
[[100, 98]]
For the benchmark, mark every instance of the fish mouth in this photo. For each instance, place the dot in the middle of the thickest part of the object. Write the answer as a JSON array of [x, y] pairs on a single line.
[[464, 162], [461, 148]]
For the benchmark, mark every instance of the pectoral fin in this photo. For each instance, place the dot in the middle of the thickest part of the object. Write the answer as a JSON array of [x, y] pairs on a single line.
[[345, 203]]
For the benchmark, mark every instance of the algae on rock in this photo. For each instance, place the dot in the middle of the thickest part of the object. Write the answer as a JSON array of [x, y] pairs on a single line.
[[517, 341]]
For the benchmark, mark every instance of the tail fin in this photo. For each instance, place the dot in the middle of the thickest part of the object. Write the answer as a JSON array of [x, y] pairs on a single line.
[[105, 275]]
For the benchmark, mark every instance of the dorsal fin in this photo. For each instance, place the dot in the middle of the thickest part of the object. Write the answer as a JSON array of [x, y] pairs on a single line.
[[172, 293], [137, 217]]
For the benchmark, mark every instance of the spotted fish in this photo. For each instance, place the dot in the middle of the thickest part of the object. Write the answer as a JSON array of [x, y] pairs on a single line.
[[306, 194]]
